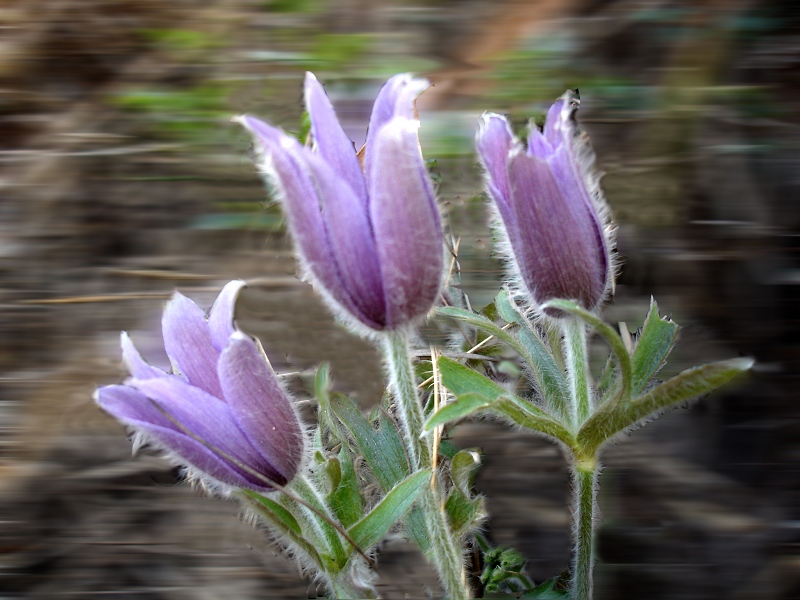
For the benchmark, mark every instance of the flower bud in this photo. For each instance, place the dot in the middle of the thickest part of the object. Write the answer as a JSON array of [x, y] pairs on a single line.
[[367, 232], [222, 410], [550, 206]]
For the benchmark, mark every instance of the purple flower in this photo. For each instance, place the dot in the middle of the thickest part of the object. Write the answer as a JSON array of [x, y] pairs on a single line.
[[366, 225], [222, 391], [550, 206]]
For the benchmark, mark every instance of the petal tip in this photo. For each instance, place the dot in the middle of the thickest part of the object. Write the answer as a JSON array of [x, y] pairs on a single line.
[[239, 336]]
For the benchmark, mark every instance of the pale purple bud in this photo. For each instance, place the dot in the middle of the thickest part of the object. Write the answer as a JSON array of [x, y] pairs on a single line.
[[550, 206], [222, 411], [368, 233]]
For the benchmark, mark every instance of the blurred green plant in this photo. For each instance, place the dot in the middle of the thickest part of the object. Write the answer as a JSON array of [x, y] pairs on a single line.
[[188, 115]]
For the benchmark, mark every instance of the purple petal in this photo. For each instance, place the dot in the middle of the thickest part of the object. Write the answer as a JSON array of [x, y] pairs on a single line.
[[134, 362], [208, 418], [220, 318], [260, 406], [557, 123], [396, 98], [187, 340], [557, 248], [573, 186], [331, 141], [286, 162], [135, 410], [537, 143], [406, 223], [350, 238], [265, 135], [494, 143]]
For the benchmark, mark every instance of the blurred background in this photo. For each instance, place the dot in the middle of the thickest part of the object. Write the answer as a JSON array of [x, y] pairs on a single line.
[[122, 178]]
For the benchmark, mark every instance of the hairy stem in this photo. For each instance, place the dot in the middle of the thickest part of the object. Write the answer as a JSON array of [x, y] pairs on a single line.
[[445, 547], [584, 494], [404, 390], [576, 359], [344, 586]]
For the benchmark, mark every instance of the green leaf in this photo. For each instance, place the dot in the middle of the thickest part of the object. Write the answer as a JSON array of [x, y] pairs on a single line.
[[323, 533], [482, 323], [653, 345], [605, 330], [374, 525], [382, 448], [547, 376], [447, 449], [322, 386], [525, 414], [280, 518], [462, 509], [416, 529], [461, 380], [504, 571], [463, 468], [463, 512], [608, 378], [490, 311], [385, 455], [545, 591], [277, 510], [305, 128], [507, 311], [463, 406], [613, 418], [345, 500], [333, 470]]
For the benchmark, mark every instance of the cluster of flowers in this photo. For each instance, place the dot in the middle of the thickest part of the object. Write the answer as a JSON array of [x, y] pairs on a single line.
[[368, 234]]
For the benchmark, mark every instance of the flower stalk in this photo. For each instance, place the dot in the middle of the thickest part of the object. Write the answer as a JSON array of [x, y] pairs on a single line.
[[584, 472], [403, 384], [584, 492], [575, 354], [445, 548]]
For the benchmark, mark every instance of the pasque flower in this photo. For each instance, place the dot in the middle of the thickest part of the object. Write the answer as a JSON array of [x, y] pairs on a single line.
[[221, 411], [550, 206], [366, 225]]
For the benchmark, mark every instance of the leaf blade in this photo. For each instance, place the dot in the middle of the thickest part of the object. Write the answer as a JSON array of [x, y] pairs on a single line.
[[654, 344], [614, 418], [371, 528], [461, 380], [604, 329]]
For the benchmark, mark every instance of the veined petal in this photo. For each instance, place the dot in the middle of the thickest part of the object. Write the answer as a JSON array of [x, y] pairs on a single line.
[[557, 247], [406, 222], [397, 98], [494, 143], [351, 240], [331, 141], [187, 340], [208, 418], [134, 362], [574, 188], [260, 405], [135, 410], [285, 162], [220, 318]]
